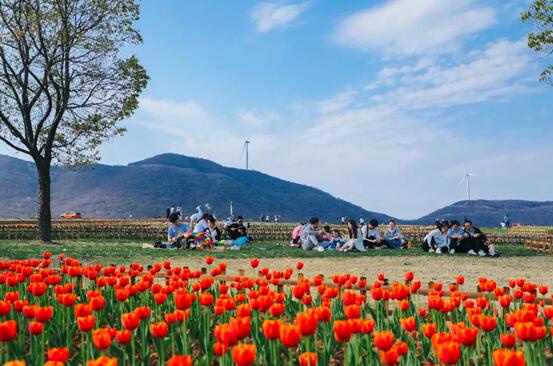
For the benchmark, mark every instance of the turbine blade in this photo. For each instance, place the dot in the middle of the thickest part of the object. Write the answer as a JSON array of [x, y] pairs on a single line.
[[462, 180]]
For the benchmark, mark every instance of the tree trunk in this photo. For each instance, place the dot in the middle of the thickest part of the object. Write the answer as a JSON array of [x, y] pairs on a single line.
[[44, 213]]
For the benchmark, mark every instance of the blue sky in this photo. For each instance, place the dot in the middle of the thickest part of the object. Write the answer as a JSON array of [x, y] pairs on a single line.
[[382, 103]]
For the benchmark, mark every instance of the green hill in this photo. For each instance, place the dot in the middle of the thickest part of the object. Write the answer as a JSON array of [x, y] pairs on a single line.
[[144, 189]]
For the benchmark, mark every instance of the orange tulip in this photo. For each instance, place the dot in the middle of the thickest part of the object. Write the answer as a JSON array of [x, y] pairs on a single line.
[[409, 324], [103, 361], [184, 300], [389, 357], [180, 360], [308, 359], [504, 357], [244, 354], [428, 329]]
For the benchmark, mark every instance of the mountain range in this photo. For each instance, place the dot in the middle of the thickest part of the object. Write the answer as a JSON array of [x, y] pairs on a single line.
[[144, 189]]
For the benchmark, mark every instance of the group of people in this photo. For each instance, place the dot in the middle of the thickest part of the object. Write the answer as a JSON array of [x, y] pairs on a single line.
[[451, 237], [448, 237], [202, 232], [360, 237]]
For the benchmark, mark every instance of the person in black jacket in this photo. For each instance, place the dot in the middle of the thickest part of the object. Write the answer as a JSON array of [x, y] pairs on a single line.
[[475, 242], [238, 229]]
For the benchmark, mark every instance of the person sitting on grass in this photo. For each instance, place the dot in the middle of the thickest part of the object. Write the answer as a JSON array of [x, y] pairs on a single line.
[[372, 239], [312, 236], [176, 233], [336, 240], [213, 232], [201, 225], [436, 240], [296, 235], [238, 232], [454, 236], [475, 242], [355, 238], [393, 238]]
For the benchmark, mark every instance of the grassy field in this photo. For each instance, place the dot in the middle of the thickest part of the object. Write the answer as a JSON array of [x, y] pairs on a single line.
[[118, 251]]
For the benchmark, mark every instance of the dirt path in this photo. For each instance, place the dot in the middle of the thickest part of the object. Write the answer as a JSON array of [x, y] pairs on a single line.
[[444, 268]]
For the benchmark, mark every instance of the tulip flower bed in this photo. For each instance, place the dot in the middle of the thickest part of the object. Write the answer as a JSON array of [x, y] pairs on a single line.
[[157, 229], [57, 311]]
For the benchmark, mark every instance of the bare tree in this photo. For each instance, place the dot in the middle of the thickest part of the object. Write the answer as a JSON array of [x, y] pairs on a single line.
[[64, 86]]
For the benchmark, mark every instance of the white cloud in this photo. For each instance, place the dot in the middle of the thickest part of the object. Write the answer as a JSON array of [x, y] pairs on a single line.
[[270, 15], [337, 102], [495, 73], [252, 118], [414, 27]]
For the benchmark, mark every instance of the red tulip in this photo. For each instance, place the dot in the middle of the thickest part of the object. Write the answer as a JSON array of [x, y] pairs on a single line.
[[206, 299], [503, 357], [5, 307], [244, 354], [180, 360], [58, 354], [130, 321], [290, 335], [508, 340], [409, 324], [271, 329], [307, 322], [448, 352], [383, 340], [101, 338], [86, 323], [123, 336], [44, 314], [36, 328], [159, 330], [254, 263]]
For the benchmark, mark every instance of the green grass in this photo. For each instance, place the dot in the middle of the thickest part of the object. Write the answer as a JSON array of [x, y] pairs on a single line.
[[120, 251]]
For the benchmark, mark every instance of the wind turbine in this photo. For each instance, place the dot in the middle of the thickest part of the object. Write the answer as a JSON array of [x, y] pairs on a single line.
[[246, 149], [466, 179]]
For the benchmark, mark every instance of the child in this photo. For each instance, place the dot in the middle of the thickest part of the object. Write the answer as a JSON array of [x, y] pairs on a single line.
[[336, 240], [296, 235]]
